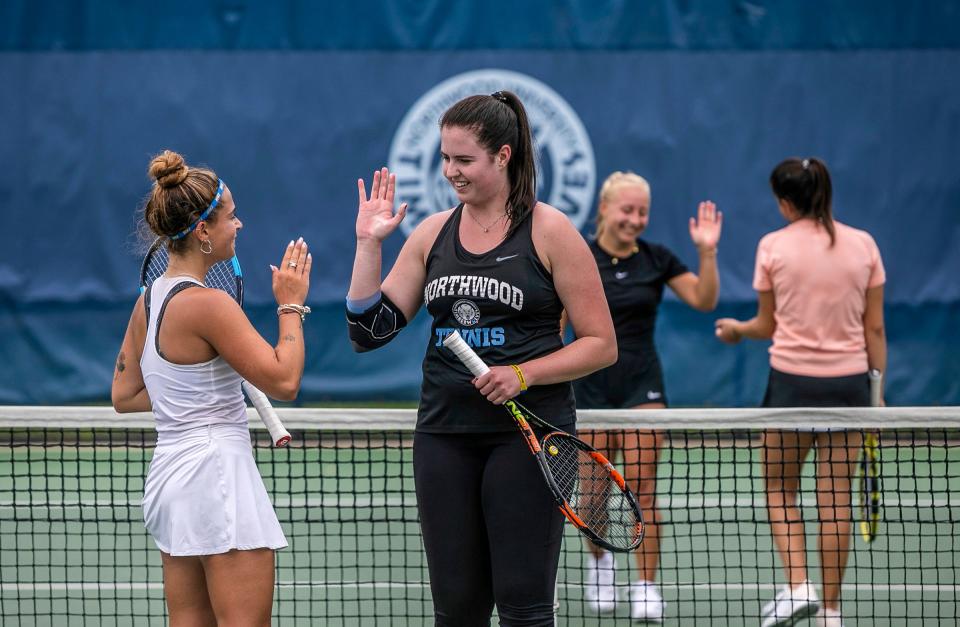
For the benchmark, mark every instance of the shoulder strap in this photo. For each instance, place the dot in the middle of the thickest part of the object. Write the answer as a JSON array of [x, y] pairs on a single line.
[[176, 289], [447, 232], [146, 303]]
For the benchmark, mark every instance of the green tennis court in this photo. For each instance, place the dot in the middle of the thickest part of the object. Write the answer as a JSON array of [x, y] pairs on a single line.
[[75, 550]]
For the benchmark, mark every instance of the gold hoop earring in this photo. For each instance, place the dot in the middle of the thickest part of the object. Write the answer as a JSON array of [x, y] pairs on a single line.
[[209, 249]]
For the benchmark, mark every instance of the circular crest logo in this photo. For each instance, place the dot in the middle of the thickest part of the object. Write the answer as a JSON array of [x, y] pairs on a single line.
[[466, 312], [566, 169]]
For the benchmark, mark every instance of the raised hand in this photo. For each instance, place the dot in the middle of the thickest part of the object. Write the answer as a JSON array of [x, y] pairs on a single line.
[[291, 281], [705, 228], [375, 217]]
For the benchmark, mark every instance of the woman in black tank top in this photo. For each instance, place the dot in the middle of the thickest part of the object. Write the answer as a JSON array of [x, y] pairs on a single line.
[[499, 268]]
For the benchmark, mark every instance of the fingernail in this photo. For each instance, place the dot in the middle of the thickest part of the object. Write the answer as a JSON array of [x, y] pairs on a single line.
[[309, 255], [300, 240], [290, 244]]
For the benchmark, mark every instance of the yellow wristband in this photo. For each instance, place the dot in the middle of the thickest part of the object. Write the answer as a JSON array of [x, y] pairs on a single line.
[[523, 382]]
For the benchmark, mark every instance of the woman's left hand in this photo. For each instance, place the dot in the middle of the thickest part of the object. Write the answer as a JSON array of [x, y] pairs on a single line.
[[499, 385], [705, 228]]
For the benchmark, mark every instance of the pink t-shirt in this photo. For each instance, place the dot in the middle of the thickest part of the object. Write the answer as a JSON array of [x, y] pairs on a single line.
[[820, 295]]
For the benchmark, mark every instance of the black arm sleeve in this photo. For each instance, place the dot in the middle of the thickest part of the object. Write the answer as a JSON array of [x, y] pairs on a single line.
[[376, 326]]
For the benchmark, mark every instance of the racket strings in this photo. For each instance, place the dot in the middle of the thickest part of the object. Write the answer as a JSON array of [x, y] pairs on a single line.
[[591, 491], [870, 488], [155, 266], [221, 275]]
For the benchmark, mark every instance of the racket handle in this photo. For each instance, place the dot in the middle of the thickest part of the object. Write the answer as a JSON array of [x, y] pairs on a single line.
[[876, 387], [268, 415], [465, 354]]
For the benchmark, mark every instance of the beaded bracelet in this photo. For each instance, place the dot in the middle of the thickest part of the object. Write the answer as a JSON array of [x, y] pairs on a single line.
[[301, 310], [523, 381]]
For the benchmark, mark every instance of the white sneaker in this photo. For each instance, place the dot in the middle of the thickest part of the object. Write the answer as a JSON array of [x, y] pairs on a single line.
[[828, 617], [790, 605], [600, 584], [646, 602]]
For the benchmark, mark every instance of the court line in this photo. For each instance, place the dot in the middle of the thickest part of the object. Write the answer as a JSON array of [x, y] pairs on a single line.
[[383, 585], [677, 502]]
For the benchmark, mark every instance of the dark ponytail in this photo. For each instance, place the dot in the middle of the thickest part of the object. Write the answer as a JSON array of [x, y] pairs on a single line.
[[500, 119], [805, 183]]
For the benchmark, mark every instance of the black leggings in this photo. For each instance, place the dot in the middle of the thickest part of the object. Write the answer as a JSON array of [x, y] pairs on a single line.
[[491, 529]]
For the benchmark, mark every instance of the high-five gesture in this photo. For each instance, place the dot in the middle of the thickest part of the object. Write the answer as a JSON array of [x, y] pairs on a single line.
[[705, 228], [375, 217], [291, 281]]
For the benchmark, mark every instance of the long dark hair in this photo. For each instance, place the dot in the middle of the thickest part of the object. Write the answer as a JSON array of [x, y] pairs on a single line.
[[497, 120], [805, 183]]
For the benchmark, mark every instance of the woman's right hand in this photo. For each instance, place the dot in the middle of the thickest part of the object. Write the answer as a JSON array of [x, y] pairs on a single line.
[[291, 281], [727, 330], [375, 217]]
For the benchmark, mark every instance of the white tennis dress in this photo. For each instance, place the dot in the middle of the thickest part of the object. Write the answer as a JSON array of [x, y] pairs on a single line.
[[203, 494]]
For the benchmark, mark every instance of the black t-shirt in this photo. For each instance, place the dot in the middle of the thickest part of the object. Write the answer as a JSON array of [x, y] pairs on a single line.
[[505, 306], [634, 289]]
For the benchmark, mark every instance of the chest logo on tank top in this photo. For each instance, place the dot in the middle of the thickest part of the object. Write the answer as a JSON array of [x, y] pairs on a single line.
[[472, 286], [466, 312], [567, 174]]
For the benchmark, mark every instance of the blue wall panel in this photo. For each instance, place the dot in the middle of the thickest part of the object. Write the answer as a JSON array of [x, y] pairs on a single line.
[[290, 132], [478, 24]]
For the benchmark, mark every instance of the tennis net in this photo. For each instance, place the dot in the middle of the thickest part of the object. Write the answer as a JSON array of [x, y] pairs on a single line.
[[74, 549]]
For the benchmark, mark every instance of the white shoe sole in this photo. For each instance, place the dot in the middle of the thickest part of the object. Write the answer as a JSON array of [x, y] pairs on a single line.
[[656, 618], [804, 612], [602, 608]]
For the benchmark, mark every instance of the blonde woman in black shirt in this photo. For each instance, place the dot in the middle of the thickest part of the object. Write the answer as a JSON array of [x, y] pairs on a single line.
[[634, 273]]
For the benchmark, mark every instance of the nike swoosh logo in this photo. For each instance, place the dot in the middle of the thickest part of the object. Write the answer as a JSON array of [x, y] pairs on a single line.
[[621, 275], [499, 259], [653, 395]]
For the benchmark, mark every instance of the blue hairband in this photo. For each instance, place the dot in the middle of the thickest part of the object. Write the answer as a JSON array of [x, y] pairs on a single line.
[[203, 216]]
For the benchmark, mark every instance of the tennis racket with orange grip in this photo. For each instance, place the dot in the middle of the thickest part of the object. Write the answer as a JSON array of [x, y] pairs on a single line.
[[589, 491]]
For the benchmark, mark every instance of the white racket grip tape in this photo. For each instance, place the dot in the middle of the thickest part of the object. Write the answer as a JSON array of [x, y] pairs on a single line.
[[463, 352], [876, 387], [268, 415]]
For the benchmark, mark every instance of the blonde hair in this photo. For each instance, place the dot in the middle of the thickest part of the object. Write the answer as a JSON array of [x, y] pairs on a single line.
[[614, 183], [179, 195]]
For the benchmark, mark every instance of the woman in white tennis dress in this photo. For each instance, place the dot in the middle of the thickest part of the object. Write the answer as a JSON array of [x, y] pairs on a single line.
[[184, 355]]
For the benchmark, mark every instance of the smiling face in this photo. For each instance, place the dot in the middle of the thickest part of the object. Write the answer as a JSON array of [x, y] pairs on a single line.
[[476, 176], [222, 230], [625, 214]]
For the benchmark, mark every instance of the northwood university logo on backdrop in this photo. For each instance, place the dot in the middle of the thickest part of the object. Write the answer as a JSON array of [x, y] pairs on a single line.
[[566, 169]]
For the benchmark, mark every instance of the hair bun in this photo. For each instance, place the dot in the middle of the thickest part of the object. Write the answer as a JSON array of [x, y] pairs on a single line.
[[168, 169]]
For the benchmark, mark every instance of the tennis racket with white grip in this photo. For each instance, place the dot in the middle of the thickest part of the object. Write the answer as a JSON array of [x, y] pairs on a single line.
[[226, 276]]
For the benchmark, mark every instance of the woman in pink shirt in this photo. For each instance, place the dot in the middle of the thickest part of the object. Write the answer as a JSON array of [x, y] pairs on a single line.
[[820, 298]]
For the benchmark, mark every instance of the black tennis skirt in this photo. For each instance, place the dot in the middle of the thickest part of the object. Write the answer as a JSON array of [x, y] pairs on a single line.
[[634, 380], [793, 390]]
